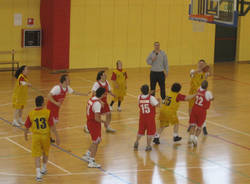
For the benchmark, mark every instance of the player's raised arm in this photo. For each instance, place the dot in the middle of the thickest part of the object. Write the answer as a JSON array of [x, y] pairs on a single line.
[[194, 71], [189, 97]]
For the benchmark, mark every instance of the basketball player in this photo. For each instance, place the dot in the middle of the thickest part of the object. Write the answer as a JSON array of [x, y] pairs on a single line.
[[168, 112], [102, 82], [57, 95], [197, 76], [199, 112], [94, 126], [119, 78], [40, 121], [20, 94], [147, 104]]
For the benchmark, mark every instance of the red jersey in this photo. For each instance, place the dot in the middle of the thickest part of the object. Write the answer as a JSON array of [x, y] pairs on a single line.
[[201, 102], [106, 86], [146, 109], [58, 98], [90, 113]]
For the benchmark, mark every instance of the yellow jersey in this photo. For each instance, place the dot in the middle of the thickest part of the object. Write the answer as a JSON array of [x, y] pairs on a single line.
[[39, 120], [168, 111], [20, 92], [196, 81], [171, 103], [119, 76]]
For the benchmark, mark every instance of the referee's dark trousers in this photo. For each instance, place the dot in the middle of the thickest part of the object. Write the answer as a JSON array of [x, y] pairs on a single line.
[[160, 78]]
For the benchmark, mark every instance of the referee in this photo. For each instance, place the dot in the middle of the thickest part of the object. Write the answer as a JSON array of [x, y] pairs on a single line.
[[159, 70]]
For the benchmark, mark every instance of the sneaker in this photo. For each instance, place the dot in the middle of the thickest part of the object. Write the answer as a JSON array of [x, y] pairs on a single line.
[[205, 131], [52, 140], [148, 148], [177, 138], [39, 179], [136, 146], [15, 123], [43, 172], [93, 164], [110, 130], [188, 130], [85, 129], [119, 109], [86, 158], [156, 140], [110, 108]]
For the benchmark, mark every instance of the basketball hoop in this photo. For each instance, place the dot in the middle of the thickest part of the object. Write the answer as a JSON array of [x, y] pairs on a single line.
[[202, 18], [198, 21]]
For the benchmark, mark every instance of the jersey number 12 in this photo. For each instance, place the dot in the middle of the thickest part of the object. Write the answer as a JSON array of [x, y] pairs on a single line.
[[199, 100]]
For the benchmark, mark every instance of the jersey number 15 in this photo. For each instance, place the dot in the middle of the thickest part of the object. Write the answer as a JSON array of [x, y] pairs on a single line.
[[145, 108]]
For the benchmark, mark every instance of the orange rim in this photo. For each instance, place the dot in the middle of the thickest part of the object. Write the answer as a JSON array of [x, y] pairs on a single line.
[[209, 18]]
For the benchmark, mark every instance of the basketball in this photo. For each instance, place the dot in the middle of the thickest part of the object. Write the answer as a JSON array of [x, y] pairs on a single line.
[[206, 68]]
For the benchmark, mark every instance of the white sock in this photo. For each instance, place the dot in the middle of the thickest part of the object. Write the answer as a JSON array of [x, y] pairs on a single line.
[[157, 135], [38, 173], [204, 124], [175, 134]]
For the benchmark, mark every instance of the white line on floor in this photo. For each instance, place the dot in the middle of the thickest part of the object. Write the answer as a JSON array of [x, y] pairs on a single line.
[[28, 150]]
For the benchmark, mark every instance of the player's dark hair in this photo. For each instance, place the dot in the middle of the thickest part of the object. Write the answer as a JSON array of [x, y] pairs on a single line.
[[99, 75], [63, 78], [145, 89], [99, 92], [19, 71], [156, 42], [202, 61], [39, 101], [117, 63], [176, 87], [204, 84]]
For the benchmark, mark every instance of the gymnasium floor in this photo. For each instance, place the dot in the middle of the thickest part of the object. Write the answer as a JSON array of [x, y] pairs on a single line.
[[222, 157]]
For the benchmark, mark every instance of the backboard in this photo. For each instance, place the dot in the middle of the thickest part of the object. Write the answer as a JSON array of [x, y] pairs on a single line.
[[214, 11]]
